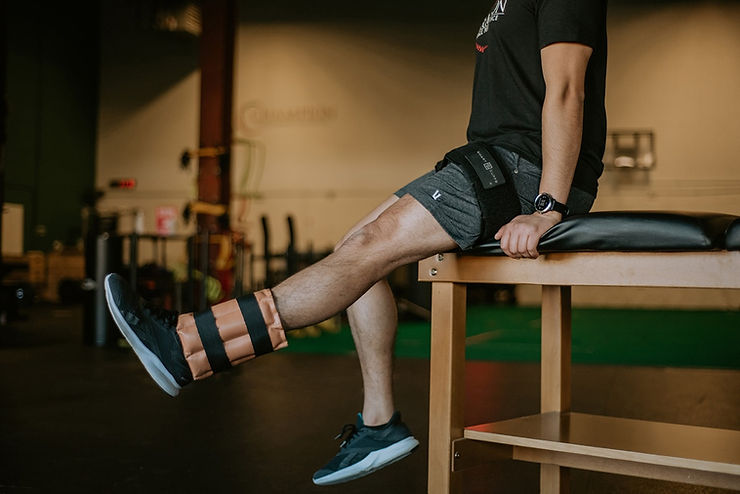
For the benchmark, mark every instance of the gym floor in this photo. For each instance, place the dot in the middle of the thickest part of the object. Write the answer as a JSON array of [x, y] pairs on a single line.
[[81, 419]]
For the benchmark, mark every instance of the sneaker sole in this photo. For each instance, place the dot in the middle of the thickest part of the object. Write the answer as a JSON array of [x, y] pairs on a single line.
[[151, 362], [372, 462]]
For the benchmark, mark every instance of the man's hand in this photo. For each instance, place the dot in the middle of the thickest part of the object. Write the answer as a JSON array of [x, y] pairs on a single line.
[[519, 237]]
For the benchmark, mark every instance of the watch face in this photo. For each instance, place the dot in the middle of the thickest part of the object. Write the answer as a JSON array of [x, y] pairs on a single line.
[[543, 202]]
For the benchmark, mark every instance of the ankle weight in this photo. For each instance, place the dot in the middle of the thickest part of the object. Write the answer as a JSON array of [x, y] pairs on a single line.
[[230, 333]]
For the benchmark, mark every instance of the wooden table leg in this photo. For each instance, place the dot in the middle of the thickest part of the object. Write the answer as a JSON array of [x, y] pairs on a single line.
[[555, 383], [447, 378]]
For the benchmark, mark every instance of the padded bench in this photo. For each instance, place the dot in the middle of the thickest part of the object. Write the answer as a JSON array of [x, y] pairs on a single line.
[[631, 249]]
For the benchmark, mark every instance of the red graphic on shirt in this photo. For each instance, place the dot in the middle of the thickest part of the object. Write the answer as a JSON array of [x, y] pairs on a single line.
[[481, 48]]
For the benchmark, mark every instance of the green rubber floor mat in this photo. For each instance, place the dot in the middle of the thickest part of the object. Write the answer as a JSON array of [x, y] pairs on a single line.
[[600, 336]]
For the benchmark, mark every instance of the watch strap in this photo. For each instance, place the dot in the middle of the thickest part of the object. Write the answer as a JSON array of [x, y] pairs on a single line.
[[560, 207]]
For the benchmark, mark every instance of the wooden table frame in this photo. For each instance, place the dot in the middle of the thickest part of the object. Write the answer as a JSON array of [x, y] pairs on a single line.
[[557, 438]]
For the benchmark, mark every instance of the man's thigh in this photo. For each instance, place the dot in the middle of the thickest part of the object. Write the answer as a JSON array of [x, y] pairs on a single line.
[[449, 196]]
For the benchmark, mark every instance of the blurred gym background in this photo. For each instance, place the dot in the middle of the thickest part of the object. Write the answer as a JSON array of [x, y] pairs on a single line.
[[209, 149]]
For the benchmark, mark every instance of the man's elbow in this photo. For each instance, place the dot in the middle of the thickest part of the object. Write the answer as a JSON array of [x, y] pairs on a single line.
[[566, 94]]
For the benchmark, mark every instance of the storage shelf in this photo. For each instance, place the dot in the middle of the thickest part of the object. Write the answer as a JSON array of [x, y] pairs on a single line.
[[698, 449]]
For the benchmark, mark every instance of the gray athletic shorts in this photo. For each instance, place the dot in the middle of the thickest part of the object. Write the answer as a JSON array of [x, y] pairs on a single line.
[[449, 195]]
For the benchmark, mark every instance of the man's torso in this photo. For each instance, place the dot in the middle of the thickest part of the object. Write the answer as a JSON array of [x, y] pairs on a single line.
[[509, 87]]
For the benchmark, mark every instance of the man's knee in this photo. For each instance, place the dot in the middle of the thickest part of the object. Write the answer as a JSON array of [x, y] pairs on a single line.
[[341, 242], [346, 237], [374, 242], [367, 219], [363, 238]]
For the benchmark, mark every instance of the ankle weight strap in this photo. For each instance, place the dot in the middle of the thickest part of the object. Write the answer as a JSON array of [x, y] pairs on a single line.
[[230, 333]]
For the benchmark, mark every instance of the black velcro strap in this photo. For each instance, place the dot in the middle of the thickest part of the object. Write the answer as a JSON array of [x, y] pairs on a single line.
[[255, 324], [493, 184], [212, 342]]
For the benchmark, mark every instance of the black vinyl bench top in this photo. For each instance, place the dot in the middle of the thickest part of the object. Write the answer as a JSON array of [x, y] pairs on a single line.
[[635, 231]]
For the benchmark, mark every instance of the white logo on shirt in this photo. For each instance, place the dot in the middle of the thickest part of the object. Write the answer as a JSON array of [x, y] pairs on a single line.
[[498, 10], [437, 195]]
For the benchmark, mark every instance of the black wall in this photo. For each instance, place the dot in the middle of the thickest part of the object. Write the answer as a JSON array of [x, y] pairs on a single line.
[[52, 86]]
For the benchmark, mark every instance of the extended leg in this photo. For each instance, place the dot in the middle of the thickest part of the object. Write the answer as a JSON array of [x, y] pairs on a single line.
[[177, 349]]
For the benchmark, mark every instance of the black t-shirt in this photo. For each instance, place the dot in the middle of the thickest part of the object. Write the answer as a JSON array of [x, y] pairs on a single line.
[[509, 87]]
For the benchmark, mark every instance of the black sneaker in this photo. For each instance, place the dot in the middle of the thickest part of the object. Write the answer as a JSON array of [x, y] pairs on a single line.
[[152, 334], [367, 449]]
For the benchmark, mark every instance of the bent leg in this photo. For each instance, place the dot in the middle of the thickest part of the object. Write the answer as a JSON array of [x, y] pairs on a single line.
[[373, 320], [398, 232]]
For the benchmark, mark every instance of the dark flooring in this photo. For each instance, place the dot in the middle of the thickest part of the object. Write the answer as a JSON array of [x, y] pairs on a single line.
[[80, 419]]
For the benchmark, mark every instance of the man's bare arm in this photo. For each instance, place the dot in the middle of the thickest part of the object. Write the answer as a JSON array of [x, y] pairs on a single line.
[[564, 69]]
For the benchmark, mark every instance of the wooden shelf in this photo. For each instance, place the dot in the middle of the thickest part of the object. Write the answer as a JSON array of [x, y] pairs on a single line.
[[682, 453]]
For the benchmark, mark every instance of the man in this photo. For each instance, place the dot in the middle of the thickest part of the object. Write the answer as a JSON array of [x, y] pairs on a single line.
[[536, 137]]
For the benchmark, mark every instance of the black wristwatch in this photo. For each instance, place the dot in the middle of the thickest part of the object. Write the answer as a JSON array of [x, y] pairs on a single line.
[[545, 202]]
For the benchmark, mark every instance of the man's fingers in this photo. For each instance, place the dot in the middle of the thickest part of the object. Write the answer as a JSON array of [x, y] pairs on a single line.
[[532, 247], [505, 242], [521, 245], [521, 236], [501, 235]]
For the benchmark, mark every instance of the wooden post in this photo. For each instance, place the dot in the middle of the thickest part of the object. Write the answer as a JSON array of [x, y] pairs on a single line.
[[216, 102], [216, 94], [555, 372], [447, 377]]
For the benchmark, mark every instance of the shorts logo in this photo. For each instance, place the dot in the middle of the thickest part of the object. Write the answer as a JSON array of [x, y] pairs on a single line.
[[437, 195]]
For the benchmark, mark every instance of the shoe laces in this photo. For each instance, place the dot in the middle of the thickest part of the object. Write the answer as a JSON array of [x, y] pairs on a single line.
[[165, 316], [349, 432]]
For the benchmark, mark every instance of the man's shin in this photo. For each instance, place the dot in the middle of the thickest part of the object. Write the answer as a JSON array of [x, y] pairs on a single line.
[[230, 333]]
